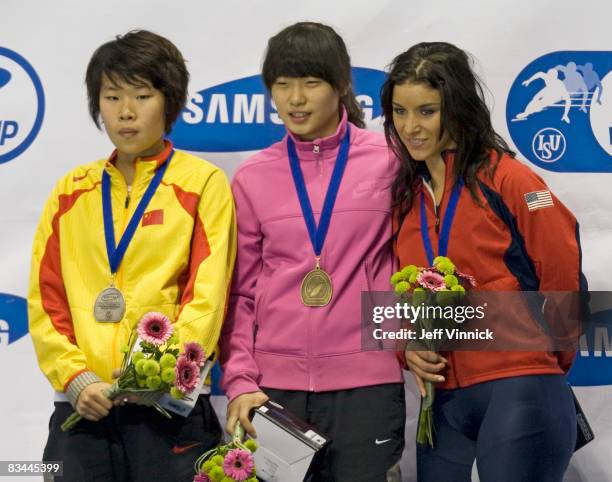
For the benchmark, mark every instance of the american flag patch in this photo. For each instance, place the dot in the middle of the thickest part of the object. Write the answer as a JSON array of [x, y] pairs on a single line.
[[538, 200]]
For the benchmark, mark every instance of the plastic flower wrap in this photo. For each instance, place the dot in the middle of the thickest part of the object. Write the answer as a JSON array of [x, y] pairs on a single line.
[[228, 463], [153, 365], [440, 284]]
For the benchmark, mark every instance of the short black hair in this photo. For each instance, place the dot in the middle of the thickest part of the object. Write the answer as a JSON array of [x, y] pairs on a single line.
[[135, 57], [311, 49]]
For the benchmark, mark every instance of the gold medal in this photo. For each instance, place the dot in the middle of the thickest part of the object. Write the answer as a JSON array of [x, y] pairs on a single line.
[[316, 289], [109, 306]]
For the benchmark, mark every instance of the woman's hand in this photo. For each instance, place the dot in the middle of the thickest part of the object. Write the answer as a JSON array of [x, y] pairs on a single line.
[[240, 408], [93, 404], [425, 366]]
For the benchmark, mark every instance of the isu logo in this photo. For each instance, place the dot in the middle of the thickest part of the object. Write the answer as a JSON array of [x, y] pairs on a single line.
[[559, 111], [549, 144]]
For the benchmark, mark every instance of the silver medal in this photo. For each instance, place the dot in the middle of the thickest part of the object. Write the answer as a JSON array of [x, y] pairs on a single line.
[[109, 306]]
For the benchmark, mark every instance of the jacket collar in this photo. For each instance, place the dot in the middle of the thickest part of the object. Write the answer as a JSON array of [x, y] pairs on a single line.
[[159, 159], [323, 147]]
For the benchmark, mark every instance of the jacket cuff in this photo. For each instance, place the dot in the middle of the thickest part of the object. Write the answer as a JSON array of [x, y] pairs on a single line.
[[76, 386], [240, 386]]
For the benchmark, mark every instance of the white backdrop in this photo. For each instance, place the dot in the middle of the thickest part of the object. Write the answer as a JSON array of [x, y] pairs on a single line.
[[224, 41]]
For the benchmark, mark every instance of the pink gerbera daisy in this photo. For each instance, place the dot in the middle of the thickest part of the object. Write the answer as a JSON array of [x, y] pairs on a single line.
[[431, 280], [154, 328], [201, 477], [194, 353], [238, 464], [187, 375]]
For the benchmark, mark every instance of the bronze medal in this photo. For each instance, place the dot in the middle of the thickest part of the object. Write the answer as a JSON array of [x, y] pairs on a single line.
[[316, 289], [109, 306]]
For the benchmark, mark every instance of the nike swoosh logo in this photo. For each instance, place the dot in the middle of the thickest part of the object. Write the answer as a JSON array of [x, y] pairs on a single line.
[[181, 450], [380, 442]]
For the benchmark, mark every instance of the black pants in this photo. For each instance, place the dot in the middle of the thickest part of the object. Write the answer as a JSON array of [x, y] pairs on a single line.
[[133, 443], [366, 427]]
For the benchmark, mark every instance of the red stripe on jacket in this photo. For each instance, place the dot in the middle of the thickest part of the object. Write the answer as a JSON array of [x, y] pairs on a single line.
[[200, 248], [52, 291]]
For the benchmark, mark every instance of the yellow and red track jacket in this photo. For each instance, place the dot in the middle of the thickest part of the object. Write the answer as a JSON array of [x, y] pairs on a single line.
[[179, 263]]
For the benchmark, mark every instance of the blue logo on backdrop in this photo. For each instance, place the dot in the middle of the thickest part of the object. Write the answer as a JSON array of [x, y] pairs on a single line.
[[22, 104], [240, 116], [559, 111], [593, 365], [13, 318]]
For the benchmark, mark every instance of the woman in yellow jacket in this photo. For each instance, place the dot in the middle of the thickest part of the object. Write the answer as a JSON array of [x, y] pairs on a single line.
[[171, 217]]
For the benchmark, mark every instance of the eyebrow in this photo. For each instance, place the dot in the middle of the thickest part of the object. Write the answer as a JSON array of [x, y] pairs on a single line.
[[430, 104], [115, 87]]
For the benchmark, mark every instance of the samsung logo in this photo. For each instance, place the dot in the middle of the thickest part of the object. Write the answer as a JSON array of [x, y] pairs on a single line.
[[240, 116]]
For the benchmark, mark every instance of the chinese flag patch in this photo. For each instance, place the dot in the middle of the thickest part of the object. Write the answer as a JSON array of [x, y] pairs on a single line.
[[153, 217]]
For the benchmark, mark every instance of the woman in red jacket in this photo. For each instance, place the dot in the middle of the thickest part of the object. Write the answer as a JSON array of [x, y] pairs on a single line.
[[511, 411]]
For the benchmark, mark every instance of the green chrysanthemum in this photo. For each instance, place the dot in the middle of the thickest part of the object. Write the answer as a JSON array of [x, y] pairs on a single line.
[[397, 277], [167, 360], [409, 270], [217, 460], [150, 368], [413, 278], [444, 265], [251, 445], [227, 479], [216, 474], [141, 381], [208, 466], [138, 356], [450, 280], [168, 375], [402, 287], [124, 349], [459, 289], [139, 366], [153, 382]]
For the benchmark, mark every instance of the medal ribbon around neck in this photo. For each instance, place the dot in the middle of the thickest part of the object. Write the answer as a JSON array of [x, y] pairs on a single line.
[[318, 234], [116, 253], [449, 217]]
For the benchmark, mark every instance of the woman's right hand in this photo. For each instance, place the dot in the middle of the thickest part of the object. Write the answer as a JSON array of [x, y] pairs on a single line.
[[425, 366], [93, 403], [240, 408]]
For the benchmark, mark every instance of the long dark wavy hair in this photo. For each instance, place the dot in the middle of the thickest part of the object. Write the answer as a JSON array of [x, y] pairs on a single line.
[[310, 49], [464, 116]]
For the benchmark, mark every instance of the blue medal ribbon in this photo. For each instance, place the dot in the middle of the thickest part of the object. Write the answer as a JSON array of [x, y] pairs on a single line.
[[116, 253], [318, 234], [449, 216]]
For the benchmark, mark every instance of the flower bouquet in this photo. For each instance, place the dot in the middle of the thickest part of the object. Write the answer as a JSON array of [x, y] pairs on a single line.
[[152, 366], [438, 285], [228, 463]]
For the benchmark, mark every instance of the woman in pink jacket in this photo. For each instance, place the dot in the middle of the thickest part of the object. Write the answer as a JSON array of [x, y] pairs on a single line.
[[314, 231]]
